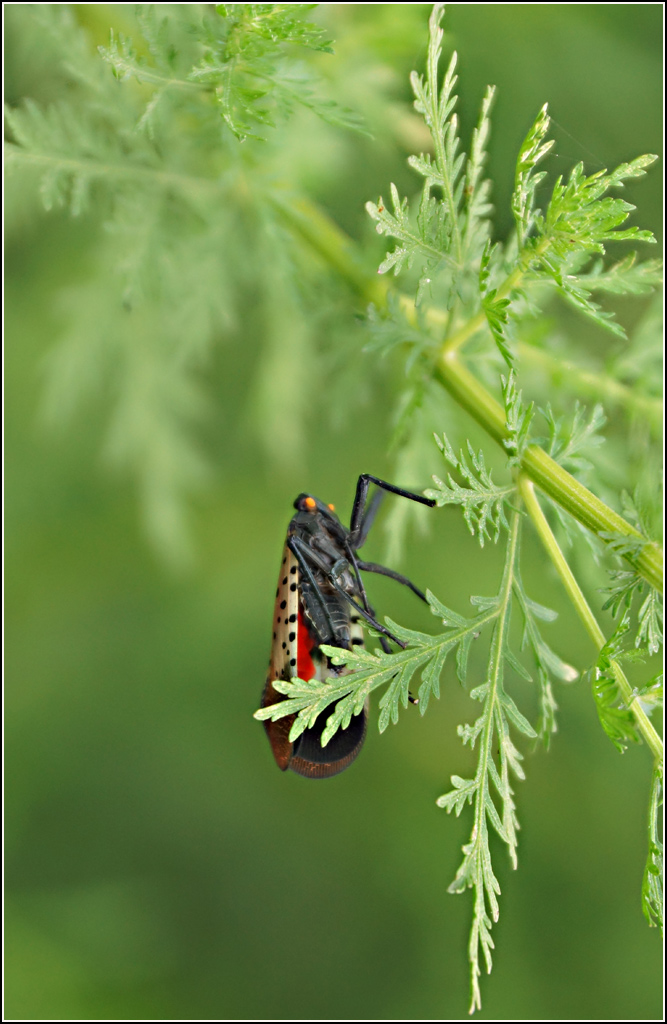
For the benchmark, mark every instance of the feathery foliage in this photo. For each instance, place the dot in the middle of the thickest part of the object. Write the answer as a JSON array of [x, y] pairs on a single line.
[[466, 288], [174, 138], [148, 143], [491, 731], [483, 503]]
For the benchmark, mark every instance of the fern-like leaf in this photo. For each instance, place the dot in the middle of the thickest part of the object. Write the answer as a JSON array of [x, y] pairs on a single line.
[[483, 502], [532, 151], [492, 781], [518, 419]]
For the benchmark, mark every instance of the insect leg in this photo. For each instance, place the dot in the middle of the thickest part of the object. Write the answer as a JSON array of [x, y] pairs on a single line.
[[353, 561], [371, 567], [364, 614], [357, 519], [368, 517], [303, 555], [382, 570], [334, 576]]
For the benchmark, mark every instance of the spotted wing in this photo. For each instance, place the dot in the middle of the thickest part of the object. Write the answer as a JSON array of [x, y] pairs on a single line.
[[283, 660], [294, 652]]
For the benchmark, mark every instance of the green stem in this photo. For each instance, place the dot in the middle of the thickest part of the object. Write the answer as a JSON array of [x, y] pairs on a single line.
[[584, 612], [555, 481]]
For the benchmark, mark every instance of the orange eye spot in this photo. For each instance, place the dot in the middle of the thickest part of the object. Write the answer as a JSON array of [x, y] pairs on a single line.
[[332, 507], [310, 503]]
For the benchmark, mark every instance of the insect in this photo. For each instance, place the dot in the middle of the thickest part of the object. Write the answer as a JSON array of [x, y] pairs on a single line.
[[321, 599]]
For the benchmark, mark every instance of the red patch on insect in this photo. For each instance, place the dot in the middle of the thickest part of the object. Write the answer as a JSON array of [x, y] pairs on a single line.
[[304, 663]]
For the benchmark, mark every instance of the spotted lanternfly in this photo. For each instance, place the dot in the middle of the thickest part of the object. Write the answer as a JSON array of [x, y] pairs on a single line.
[[321, 600]]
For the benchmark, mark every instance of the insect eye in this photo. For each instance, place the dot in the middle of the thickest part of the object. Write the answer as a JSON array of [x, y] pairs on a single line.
[[332, 507], [310, 503]]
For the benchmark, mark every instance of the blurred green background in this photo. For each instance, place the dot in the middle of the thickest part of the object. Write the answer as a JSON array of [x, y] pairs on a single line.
[[158, 865]]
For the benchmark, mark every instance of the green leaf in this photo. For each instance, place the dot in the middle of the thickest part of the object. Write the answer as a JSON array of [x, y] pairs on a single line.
[[498, 758], [477, 189], [627, 277], [518, 419], [581, 219], [567, 440], [496, 310], [616, 718], [532, 151], [463, 792], [451, 224], [483, 502]]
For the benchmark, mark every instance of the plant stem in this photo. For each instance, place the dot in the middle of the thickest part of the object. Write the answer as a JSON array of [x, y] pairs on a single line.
[[644, 724], [555, 481]]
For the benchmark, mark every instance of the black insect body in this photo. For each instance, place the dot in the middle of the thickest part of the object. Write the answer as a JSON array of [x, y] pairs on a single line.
[[321, 599]]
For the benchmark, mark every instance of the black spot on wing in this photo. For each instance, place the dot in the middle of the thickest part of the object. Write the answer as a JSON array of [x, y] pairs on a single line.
[[283, 647]]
